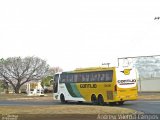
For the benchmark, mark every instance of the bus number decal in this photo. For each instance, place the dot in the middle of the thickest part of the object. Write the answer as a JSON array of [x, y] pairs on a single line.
[[107, 85]]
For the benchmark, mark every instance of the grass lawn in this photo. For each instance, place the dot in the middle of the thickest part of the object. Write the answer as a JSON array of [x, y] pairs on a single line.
[[24, 97], [65, 109]]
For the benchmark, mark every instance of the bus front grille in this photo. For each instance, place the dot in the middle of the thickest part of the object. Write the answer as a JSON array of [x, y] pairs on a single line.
[[109, 95]]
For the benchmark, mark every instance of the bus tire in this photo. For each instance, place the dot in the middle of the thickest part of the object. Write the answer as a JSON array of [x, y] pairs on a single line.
[[80, 102], [93, 99], [120, 102], [62, 98], [100, 100]]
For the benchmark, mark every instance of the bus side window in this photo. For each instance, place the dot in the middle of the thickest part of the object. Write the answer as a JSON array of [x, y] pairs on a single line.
[[109, 76], [83, 77], [75, 77], [99, 78], [91, 77], [87, 77], [70, 78], [102, 79], [79, 77], [64, 78], [95, 77]]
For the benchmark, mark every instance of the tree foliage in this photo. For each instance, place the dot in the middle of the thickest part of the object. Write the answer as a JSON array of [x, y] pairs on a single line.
[[54, 70], [51, 72], [17, 71], [46, 81]]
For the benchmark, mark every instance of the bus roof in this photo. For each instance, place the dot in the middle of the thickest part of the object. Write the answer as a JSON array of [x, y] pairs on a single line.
[[91, 69]]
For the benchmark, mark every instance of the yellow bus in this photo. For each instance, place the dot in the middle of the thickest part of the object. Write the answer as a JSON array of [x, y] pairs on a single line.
[[98, 85]]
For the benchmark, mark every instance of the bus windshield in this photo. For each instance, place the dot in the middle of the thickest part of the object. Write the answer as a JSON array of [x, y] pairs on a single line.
[[55, 85]]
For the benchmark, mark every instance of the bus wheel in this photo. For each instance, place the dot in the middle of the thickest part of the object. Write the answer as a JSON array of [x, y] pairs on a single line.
[[120, 102], [100, 100], [94, 99], [80, 102], [62, 98], [112, 103]]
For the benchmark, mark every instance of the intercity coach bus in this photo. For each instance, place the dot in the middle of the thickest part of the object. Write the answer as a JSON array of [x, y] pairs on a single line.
[[98, 85]]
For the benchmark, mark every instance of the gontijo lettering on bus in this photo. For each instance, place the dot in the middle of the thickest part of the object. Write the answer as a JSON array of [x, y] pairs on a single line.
[[88, 85], [126, 82]]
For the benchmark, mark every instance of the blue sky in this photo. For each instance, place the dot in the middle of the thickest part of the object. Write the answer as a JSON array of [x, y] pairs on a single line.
[[72, 34]]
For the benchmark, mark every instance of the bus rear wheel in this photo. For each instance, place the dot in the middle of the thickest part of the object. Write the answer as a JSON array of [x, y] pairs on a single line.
[[62, 98], [80, 102], [100, 100], [120, 102], [112, 103], [94, 99]]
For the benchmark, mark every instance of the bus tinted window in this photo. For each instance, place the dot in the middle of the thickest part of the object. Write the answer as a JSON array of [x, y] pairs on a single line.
[[109, 76], [75, 78], [85, 77], [93, 77], [63, 78], [70, 78], [99, 76], [79, 79], [55, 85]]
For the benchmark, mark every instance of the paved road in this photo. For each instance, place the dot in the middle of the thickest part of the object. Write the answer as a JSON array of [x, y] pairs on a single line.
[[149, 106]]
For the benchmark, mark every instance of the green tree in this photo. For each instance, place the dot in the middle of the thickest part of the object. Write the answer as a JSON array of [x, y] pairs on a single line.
[[47, 81]]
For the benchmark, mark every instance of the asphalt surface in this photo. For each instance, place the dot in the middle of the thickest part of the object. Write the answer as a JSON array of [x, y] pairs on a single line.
[[145, 106]]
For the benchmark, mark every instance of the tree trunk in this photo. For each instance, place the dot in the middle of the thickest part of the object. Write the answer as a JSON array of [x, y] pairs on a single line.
[[16, 89]]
